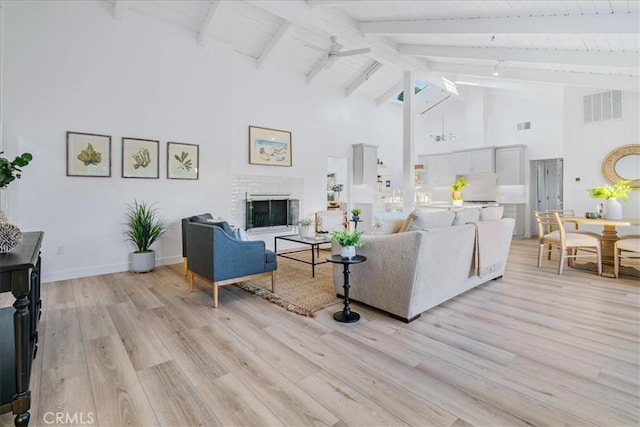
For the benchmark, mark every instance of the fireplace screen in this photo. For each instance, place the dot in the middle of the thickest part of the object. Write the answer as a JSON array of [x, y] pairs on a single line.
[[264, 212]]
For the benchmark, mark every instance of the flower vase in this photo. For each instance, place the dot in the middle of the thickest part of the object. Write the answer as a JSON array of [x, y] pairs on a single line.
[[303, 230], [348, 252], [612, 209]]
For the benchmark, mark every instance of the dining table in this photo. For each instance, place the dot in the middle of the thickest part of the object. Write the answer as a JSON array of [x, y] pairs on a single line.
[[608, 237]]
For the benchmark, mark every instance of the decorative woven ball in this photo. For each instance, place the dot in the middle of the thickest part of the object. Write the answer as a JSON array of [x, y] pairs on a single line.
[[3, 217], [10, 237]]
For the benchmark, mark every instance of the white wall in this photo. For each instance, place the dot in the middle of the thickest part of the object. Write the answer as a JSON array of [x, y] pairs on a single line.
[[71, 66], [586, 146]]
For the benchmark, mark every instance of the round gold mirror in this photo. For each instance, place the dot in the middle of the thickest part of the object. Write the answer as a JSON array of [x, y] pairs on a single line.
[[623, 163]]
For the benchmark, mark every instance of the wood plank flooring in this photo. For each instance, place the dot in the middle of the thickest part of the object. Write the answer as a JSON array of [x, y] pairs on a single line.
[[533, 348]]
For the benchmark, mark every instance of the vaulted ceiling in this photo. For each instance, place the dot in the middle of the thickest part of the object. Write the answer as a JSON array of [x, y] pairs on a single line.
[[558, 42]]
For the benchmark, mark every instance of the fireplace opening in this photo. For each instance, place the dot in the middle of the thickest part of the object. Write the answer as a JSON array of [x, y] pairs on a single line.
[[270, 212]]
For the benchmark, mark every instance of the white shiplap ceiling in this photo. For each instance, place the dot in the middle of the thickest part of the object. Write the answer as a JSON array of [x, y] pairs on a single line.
[[559, 42]]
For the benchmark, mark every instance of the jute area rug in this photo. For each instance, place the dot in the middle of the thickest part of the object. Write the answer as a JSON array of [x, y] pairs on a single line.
[[296, 290]]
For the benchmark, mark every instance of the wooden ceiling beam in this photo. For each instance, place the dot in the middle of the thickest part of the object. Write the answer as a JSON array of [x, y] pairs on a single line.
[[359, 81], [604, 80], [627, 23], [207, 25], [540, 56], [266, 52]]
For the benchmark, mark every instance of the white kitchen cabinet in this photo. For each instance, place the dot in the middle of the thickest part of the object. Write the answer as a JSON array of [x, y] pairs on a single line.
[[440, 169], [365, 164], [510, 165], [473, 161]]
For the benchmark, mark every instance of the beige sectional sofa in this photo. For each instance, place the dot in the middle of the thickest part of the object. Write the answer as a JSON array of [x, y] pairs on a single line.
[[434, 257]]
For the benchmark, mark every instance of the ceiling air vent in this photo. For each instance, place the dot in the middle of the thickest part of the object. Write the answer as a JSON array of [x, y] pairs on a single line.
[[524, 126], [602, 106]]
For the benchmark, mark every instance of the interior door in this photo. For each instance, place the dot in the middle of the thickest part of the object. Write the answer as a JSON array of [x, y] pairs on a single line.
[[548, 187]]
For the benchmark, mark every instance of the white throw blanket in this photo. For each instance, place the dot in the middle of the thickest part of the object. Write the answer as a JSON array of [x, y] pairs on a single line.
[[487, 250]]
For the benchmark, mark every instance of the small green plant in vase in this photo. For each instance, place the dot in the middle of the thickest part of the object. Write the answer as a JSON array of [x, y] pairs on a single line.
[[348, 241], [611, 193], [456, 193], [355, 216]]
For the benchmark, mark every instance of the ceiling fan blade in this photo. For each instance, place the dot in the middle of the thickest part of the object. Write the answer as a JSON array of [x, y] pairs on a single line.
[[354, 52], [319, 49]]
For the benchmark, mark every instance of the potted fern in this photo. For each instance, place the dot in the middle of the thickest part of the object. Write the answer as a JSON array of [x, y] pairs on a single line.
[[348, 241], [144, 227]]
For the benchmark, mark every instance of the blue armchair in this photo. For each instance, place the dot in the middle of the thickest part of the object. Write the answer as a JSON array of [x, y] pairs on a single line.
[[217, 257], [205, 218]]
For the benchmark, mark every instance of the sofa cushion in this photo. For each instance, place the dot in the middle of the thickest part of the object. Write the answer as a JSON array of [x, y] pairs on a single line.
[[387, 222], [491, 212], [465, 216], [421, 220]]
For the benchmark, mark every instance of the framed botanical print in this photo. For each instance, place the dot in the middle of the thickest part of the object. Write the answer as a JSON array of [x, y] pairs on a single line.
[[182, 160], [270, 147], [88, 154], [140, 158]]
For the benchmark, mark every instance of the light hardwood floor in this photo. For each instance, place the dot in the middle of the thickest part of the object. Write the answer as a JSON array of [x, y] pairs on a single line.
[[533, 348]]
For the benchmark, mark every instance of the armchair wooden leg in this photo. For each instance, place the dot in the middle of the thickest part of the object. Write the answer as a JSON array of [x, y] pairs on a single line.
[[190, 273], [215, 295], [185, 265]]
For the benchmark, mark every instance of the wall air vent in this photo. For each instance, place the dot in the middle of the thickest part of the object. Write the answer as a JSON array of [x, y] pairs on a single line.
[[602, 106], [524, 126]]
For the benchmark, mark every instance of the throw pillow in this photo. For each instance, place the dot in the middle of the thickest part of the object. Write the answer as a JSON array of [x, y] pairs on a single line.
[[240, 234], [388, 222], [465, 216], [491, 212], [423, 220]]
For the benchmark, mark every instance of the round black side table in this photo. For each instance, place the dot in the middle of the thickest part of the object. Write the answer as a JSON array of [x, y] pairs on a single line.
[[346, 315]]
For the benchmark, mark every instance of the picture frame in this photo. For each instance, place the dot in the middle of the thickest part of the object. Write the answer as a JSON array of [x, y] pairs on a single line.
[[88, 154], [140, 158], [271, 147], [183, 160]]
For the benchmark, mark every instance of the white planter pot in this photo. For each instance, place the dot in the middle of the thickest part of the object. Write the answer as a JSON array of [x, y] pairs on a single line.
[[143, 262], [348, 252], [456, 202], [612, 209]]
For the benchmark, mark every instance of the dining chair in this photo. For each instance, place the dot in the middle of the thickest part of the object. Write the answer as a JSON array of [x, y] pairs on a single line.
[[569, 243], [626, 248]]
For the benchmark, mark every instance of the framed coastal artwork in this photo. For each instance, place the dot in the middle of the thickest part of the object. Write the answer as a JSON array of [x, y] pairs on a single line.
[[182, 160], [88, 154], [270, 147], [140, 158]]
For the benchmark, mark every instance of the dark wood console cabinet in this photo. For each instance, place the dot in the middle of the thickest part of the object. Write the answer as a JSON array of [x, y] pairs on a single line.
[[20, 275]]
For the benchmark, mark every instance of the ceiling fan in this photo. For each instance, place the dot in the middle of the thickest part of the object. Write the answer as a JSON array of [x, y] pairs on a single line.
[[334, 53]]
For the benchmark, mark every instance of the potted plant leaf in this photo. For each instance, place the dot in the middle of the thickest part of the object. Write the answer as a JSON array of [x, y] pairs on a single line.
[[9, 172], [348, 241], [456, 194], [611, 193], [144, 227]]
